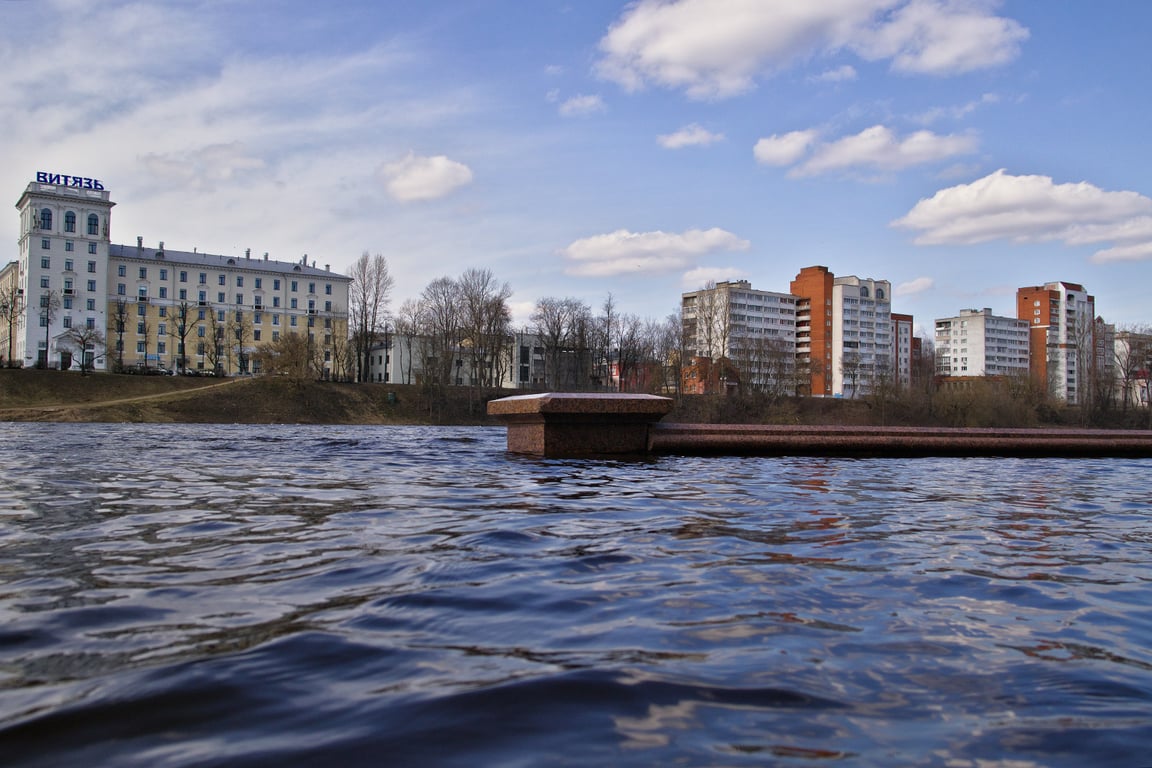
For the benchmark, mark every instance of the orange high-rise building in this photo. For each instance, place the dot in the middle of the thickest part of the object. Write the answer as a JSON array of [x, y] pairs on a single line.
[[813, 291]]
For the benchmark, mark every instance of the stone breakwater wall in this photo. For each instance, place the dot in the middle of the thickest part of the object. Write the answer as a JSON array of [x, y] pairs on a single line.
[[580, 424]]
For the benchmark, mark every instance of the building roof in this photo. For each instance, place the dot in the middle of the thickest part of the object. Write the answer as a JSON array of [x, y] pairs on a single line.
[[218, 261]]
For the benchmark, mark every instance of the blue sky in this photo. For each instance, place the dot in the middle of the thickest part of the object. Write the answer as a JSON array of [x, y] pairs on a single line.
[[958, 148]]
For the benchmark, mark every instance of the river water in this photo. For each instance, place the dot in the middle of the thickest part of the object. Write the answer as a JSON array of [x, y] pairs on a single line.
[[189, 595]]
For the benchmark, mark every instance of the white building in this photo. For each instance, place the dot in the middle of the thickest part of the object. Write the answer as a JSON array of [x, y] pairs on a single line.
[[755, 330], [862, 326], [1062, 323], [155, 307], [978, 343]]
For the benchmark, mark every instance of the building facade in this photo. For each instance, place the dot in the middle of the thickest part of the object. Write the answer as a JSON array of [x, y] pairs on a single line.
[[978, 343], [1061, 319], [752, 331], [904, 344], [862, 350], [156, 308]]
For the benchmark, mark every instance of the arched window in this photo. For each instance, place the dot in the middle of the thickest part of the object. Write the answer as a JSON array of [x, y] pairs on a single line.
[[46, 218], [880, 294], [93, 224], [70, 221], [863, 292]]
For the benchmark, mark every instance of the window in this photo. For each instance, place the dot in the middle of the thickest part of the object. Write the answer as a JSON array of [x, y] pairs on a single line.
[[200, 314], [93, 224], [200, 330], [294, 284], [256, 335], [327, 306], [239, 281], [311, 322], [163, 292], [70, 221], [140, 328], [259, 282], [292, 321], [220, 316], [92, 267], [139, 347], [276, 284], [183, 276], [200, 349], [163, 313], [122, 271], [275, 319], [203, 278], [45, 244], [91, 305], [92, 286], [67, 302], [183, 294], [203, 297], [275, 335], [223, 279], [257, 318], [142, 293], [311, 287], [141, 309], [161, 329], [121, 289], [239, 317], [163, 274], [90, 323], [161, 347], [91, 247], [67, 321], [45, 218], [293, 304], [239, 298], [143, 273], [275, 301], [328, 289], [44, 282], [220, 297], [69, 245]]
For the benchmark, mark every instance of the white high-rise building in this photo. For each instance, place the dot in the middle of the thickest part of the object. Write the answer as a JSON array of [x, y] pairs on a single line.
[[862, 322], [754, 330], [1062, 323], [978, 343]]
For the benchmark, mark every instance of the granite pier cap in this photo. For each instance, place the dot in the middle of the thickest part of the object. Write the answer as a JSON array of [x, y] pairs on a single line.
[[568, 424]]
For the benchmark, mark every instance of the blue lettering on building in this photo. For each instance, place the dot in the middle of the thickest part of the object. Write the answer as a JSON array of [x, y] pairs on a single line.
[[65, 180]]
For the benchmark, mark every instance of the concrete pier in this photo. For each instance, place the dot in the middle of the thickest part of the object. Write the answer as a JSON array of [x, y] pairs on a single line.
[[590, 424]]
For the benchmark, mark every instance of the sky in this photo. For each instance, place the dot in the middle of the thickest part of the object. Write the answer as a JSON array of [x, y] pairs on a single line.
[[585, 148]]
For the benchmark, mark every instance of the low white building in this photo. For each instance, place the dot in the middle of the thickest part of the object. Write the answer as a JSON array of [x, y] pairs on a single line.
[[978, 343]]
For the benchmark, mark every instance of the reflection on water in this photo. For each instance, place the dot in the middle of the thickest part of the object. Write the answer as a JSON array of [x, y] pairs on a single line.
[[176, 595]]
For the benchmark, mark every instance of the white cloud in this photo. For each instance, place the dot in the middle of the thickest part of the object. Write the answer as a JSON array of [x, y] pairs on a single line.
[[689, 136], [956, 112], [783, 150], [1025, 209], [842, 74], [878, 147], [943, 37], [623, 252], [423, 178], [697, 278], [717, 48], [913, 287], [581, 105], [203, 167]]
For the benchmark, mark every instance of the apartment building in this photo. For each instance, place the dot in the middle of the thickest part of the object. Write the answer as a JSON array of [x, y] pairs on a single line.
[[750, 333], [1061, 318], [155, 307], [978, 343], [906, 348]]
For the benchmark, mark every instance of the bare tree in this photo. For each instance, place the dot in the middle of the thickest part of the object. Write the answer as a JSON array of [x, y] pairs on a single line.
[[239, 333], [49, 307], [120, 326], [485, 324], [851, 367], [185, 319], [289, 356], [564, 328], [11, 308], [409, 322], [214, 347], [85, 342], [368, 297], [440, 313]]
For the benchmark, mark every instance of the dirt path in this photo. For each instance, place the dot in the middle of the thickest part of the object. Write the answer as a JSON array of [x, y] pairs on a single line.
[[173, 395]]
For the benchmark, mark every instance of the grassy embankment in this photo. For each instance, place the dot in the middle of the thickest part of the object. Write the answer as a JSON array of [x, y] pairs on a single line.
[[31, 395]]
